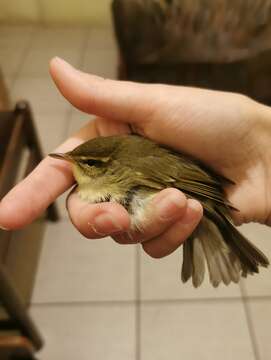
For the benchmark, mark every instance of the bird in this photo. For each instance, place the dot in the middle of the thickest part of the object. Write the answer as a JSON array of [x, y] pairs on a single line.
[[131, 170], [205, 31]]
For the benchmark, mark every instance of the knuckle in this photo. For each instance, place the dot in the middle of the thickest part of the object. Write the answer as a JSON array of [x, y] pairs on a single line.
[[90, 235], [152, 252], [123, 239]]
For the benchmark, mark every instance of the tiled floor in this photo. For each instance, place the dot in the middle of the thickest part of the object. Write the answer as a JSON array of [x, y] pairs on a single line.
[[98, 300]]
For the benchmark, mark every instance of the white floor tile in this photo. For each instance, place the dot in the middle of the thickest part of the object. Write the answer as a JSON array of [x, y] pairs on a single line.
[[36, 63], [59, 37], [259, 284], [9, 81], [86, 332], [51, 130], [102, 62], [42, 95], [75, 269], [78, 119], [195, 331], [260, 312], [15, 37], [102, 38], [11, 60], [14, 40], [61, 205], [161, 279]]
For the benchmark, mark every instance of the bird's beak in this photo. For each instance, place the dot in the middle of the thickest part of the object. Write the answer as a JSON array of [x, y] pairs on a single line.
[[60, 156]]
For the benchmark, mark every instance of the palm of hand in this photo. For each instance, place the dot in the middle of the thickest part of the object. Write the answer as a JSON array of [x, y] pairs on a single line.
[[228, 132], [234, 145]]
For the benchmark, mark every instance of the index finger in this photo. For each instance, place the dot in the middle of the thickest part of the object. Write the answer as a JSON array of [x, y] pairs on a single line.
[[31, 197]]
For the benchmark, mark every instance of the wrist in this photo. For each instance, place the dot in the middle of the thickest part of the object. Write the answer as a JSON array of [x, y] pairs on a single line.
[[262, 138], [262, 124]]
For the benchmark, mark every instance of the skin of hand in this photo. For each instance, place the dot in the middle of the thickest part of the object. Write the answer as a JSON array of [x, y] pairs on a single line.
[[229, 132]]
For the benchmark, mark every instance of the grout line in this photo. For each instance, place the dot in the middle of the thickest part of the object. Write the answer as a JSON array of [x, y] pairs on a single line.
[[250, 326], [190, 301], [68, 117], [137, 305], [80, 65], [9, 84], [258, 298], [203, 300], [148, 302], [24, 55], [243, 289], [84, 47], [103, 303], [41, 12]]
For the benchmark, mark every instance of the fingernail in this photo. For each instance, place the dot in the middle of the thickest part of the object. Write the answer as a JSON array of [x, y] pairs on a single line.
[[192, 211], [105, 224], [169, 208], [194, 206], [60, 60]]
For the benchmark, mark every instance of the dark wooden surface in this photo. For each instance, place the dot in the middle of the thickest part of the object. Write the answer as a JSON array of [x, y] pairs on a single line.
[[17, 313], [16, 348], [13, 142], [17, 131], [23, 255], [17, 134], [250, 77], [19, 250], [4, 95]]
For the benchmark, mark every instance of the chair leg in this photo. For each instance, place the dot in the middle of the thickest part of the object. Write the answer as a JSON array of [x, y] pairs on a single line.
[[35, 149], [33, 160], [52, 213]]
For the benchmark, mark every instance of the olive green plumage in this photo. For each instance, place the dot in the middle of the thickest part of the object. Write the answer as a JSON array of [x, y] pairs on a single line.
[[130, 169]]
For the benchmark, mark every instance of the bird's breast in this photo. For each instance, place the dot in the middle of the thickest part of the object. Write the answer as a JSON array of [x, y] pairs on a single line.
[[137, 205], [93, 194]]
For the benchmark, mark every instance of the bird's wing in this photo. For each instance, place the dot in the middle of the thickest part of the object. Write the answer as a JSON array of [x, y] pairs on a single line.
[[179, 172]]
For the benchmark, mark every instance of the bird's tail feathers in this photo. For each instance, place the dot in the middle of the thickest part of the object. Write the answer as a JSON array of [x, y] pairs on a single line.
[[228, 255]]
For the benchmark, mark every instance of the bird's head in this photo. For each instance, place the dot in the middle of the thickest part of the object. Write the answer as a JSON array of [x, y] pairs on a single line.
[[92, 158]]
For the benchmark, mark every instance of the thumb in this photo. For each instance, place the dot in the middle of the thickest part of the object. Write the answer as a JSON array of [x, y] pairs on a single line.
[[116, 100]]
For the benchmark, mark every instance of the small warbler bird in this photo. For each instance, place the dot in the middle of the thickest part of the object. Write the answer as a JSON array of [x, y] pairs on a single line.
[[130, 170]]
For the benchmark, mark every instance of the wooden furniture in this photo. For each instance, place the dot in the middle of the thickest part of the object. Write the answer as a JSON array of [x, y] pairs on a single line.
[[137, 34], [19, 337], [4, 95], [17, 131], [19, 153], [16, 347]]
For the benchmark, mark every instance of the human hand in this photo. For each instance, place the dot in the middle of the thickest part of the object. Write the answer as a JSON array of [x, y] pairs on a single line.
[[227, 131]]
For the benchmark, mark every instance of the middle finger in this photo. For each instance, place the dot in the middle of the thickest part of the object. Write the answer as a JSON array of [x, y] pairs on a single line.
[[166, 207]]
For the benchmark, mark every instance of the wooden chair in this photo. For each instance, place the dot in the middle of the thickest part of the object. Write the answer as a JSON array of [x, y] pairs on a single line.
[[19, 337], [18, 137], [138, 35], [17, 131], [16, 347]]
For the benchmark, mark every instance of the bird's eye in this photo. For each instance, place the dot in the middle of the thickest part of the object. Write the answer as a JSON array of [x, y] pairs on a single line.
[[92, 162]]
